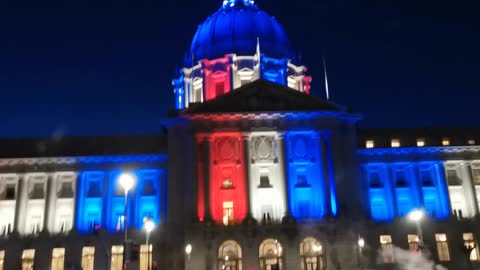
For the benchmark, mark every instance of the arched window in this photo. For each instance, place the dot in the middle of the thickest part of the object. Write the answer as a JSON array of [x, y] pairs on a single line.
[[229, 256], [271, 255], [311, 252]]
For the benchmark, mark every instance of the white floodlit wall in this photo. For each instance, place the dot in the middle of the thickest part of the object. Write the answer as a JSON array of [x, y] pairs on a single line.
[[245, 69], [8, 203], [266, 175], [62, 202], [31, 216], [460, 190]]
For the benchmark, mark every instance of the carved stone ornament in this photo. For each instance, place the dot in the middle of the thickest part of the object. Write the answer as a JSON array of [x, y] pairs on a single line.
[[263, 148], [226, 149]]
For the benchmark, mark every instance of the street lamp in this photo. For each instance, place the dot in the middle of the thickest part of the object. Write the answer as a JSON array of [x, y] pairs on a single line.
[[188, 251], [149, 226], [361, 245], [416, 215], [127, 181]]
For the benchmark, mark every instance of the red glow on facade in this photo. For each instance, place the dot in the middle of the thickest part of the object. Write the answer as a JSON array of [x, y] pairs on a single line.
[[217, 77], [306, 83], [200, 188], [228, 189]]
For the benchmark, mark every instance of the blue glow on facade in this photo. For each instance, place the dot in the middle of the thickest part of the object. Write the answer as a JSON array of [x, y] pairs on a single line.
[[147, 196], [90, 201], [379, 191], [101, 199], [305, 181], [274, 70], [395, 189], [179, 92]]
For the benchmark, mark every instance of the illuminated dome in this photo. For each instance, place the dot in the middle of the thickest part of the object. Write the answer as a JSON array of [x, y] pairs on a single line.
[[234, 28]]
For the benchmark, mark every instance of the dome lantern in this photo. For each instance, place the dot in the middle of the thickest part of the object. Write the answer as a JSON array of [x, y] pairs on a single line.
[[232, 3]]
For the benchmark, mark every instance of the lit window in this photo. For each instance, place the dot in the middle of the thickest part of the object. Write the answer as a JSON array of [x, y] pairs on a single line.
[[471, 142], [227, 184], [442, 247], [370, 144], [2, 258], [229, 256], [420, 142], [227, 213], [117, 258], [387, 248], [271, 256], [476, 175], [145, 257], [88, 255], [58, 258], [445, 142], [470, 244], [395, 143], [413, 243], [28, 257]]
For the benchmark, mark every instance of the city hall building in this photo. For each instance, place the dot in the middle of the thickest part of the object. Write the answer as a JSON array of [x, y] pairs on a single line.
[[252, 172]]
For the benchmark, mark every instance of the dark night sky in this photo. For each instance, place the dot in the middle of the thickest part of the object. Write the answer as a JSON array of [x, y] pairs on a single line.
[[105, 67]]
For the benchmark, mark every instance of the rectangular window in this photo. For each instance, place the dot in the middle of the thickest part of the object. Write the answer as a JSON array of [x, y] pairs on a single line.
[[117, 258], [471, 142], [2, 259], [452, 178], [227, 213], [370, 144], [470, 244], [395, 143], [58, 258], [387, 249], [28, 257], [420, 142], [37, 192], [442, 247], [10, 192], [219, 88], [88, 255], [476, 175], [66, 190], [445, 142], [145, 257], [413, 243], [227, 184], [264, 181]]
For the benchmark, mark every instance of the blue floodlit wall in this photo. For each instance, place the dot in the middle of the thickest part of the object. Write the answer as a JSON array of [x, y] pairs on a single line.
[[380, 192], [305, 181], [407, 195], [434, 188], [274, 70], [395, 189], [179, 91], [90, 200], [147, 196], [116, 202], [101, 201]]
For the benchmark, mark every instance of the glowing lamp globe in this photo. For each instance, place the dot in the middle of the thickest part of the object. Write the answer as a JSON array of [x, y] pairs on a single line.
[[149, 225], [188, 249], [416, 215], [127, 181]]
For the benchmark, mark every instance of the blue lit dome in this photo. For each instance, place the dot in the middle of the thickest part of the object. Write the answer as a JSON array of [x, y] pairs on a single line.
[[235, 27]]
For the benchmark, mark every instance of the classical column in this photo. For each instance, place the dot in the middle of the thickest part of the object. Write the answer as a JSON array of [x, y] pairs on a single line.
[[207, 140], [246, 151], [283, 162], [49, 203], [320, 137], [332, 189], [469, 187]]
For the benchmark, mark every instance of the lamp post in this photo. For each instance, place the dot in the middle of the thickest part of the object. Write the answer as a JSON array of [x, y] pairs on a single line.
[[149, 226], [188, 251], [416, 216], [127, 181], [361, 245]]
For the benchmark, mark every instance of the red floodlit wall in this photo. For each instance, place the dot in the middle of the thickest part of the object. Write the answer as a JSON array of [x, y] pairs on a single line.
[[217, 77], [200, 187], [227, 163], [306, 84]]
